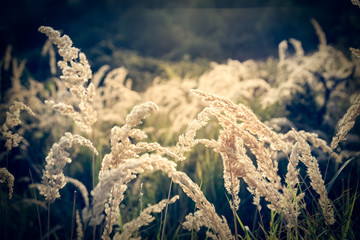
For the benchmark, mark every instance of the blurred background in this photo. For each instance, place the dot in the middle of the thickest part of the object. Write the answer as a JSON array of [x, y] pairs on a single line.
[[213, 29]]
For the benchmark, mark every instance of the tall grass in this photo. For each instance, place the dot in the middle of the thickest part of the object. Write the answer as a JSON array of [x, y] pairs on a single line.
[[216, 154]]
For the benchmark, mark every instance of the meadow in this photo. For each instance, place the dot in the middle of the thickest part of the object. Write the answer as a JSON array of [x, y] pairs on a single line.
[[235, 150]]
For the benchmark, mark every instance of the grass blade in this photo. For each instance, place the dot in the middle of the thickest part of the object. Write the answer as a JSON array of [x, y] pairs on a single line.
[[328, 188]]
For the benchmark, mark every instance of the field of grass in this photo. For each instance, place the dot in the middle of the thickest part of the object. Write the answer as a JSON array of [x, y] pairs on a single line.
[[235, 150]]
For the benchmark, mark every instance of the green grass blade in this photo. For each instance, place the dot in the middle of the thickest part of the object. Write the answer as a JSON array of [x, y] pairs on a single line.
[[337, 174], [350, 212], [121, 222]]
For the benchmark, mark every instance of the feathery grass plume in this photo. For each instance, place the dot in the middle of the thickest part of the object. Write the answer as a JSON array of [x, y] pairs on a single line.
[[5, 175], [81, 187], [76, 74], [224, 76], [112, 210], [13, 120], [346, 123], [262, 181], [320, 33], [17, 71], [113, 98], [123, 149], [7, 57], [187, 141], [213, 221], [230, 148], [283, 46], [356, 2], [99, 74], [299, 51], [287, 79], [116, 178], [241, 130], [121, 146], [124, 161], [321, 72], [292, 171], [317, 142], [53, 178], [355, 52], [230, 144], [291, 196], [249, 120], [232, 79], [317, 182], [128, 170], [144, 219], [79, 227], [177, 107]]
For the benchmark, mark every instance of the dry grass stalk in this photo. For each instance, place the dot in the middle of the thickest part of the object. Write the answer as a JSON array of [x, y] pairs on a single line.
[[355, 52], [124, 161], [144, 219], [49, 49], [5, 175], [112, 210], [320, 33], [122, 149], [291, 203], [118, 177], [210, 218], [79, 228], [317, 142], [76, 74], [317, 182], [356, 2], [121, 146], [241, 128], [346, 123], [282, 48], [53, 178], [231, 144], [299, 51], [17, 70], [13, 120], [7, 57], [120, 166], [99, 74], [113, 99], [187, 141]]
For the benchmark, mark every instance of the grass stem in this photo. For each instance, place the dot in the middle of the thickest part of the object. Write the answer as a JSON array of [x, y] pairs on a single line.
[[6, 201], [73, 217], [233, 204], [48, 221], [37, 207], [166, 209]]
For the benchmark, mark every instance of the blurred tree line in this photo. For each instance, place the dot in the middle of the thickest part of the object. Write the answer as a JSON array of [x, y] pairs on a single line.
[[170, 30]]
